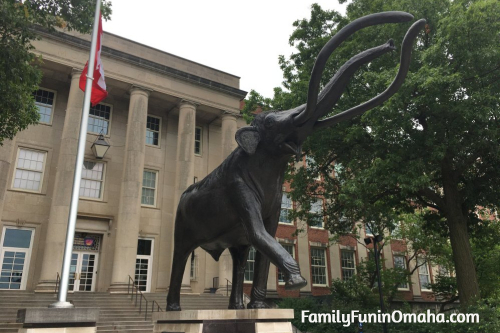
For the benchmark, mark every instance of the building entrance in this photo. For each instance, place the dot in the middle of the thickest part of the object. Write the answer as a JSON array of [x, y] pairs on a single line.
[[84, 262], [82, 271]]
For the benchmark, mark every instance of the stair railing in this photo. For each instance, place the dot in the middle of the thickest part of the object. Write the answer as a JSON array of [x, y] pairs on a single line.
[[130, 287], [58, 280]]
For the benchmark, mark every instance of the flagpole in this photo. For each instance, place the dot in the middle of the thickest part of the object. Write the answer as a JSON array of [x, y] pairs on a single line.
[[75, 194]]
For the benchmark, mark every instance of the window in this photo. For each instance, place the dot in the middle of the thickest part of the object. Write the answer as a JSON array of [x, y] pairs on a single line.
[[194, 267], [153, 131], [29, 170], [310, 162], [400, 262], [368, 230], [143, 263], [15, 252], [290, 248], [197, 140], [91, 185], [286, 207], [250, 267], [99, 118], [149, 188], [423, 274], [348, 264], [316, 219], [44, 101], [318, 266]]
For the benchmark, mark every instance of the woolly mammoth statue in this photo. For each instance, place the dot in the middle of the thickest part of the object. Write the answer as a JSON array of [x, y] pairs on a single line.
[[238, 204]]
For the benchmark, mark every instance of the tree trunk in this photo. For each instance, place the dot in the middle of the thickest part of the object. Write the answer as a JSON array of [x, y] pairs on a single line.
[[467, 283], [468, 286]]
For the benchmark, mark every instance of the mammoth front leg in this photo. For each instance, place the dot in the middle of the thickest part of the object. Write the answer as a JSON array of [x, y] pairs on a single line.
[[248, 209], [261, 271]]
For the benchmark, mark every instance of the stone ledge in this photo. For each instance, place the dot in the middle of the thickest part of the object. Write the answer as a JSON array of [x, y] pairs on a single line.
[[200, 315], [57, 317]]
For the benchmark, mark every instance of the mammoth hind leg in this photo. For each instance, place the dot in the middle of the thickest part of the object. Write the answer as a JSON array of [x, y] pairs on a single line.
[[239, 255], [182, 250]]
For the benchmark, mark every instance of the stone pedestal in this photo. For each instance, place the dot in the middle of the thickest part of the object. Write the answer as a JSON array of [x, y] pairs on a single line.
[[56, 320], [224, 321]]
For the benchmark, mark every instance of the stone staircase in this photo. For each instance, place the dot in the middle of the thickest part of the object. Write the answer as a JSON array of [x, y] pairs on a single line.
[[118, 312]]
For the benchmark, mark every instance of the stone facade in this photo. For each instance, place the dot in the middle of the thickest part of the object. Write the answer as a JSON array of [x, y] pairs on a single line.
[[169, 121]]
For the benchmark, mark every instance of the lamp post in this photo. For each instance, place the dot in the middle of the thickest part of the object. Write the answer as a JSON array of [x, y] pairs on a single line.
[[375, 240]]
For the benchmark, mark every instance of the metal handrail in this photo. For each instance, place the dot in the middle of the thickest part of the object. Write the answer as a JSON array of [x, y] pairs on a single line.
[[227, 286], [131, 282], [58, 279]]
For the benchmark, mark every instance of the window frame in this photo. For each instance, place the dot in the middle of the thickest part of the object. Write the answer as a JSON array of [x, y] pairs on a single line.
[[284, 194], [107, 135], [53, 105], [310, 159], [282, 283], [321, 214], [16, 168], [250, 261], [159, 132], [405, 268], [200, 153], [155, 189], [150, 261], [27, 260], [428, 274], [342, 267], [103, 181], [312, 266]]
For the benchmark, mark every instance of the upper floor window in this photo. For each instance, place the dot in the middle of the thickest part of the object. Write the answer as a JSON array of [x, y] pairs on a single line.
[[286, 207], [318, 266], [400, 262], [99, 119], [250, 267], [348, 264], [197, 140], [290, 248], [149, 178], [29, 169], [423, 274], [92, 182], [153, 131], [44, 101], [310, 163], [316, 220]]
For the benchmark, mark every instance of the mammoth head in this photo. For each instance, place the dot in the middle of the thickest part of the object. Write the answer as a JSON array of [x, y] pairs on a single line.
[[283, 132]]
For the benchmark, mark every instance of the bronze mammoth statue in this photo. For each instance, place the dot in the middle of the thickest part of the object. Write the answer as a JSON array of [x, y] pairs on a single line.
[[238, 204]]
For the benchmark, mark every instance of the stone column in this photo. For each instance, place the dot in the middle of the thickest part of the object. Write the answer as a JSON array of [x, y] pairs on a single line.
[[6, 159], [129, 210], [228, 128], [185, 165], [61, 197]]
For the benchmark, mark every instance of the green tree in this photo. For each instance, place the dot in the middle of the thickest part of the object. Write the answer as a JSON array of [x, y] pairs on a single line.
[[434, 144], [19, 71]]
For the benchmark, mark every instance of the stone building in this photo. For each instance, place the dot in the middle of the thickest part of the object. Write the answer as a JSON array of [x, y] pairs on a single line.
[[169, 121]]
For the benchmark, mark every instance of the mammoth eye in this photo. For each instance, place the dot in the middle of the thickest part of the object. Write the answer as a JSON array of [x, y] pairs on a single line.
[[269, 122]]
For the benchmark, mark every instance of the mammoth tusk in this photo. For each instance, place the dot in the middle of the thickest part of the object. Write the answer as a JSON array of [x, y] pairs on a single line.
[[406, 49], [334, 89], [333, 43]]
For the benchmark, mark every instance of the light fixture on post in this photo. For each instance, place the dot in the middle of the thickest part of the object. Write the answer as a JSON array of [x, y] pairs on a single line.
[[100, 147]]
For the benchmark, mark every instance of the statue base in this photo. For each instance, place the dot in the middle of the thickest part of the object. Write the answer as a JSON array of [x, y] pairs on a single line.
[[224, 321]]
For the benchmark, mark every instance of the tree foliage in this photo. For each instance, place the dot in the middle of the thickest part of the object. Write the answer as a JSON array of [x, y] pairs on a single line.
[[19, 68], [434, 144]]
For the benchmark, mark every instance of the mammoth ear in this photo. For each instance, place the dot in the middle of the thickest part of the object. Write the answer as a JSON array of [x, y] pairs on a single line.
[[248, 138]]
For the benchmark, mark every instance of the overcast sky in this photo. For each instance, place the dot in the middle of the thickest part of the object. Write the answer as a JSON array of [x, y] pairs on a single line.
[[243, 38]]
